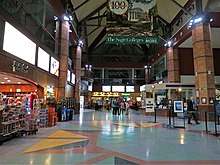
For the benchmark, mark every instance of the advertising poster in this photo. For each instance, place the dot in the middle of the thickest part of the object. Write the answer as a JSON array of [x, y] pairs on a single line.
[[149, 105], [73, 78], [43, 59], [178, 106], [54, 66], [68, 75], [131, 22]]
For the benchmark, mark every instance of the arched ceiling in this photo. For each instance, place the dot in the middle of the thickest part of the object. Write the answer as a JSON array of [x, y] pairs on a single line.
[[91, 16], [91, 13]]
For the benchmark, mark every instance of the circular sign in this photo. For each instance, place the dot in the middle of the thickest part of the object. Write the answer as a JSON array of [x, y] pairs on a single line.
[[118, 6], [11, 6]]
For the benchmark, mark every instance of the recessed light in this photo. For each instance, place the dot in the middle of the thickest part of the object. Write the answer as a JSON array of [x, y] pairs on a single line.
[[3, 82], [19, 82], [9, 80], [6, 78]]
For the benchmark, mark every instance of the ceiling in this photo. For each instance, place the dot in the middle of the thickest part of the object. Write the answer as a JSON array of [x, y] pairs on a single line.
[[215, 40], [91, 14], [9, 80]]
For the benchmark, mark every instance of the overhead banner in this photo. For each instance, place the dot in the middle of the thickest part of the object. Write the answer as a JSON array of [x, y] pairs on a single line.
[[131, 22]]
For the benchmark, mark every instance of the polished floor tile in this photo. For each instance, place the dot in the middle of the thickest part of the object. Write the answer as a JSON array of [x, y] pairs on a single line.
[[98, 137]]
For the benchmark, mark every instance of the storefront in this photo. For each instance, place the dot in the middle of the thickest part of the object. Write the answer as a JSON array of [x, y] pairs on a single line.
[[161, 93], [106, 98], [28, 77]]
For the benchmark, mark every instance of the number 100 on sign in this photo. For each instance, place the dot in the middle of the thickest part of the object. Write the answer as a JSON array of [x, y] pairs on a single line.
[[118, 6]]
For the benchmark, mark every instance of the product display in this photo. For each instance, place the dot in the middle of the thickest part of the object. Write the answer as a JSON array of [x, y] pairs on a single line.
[[19, 116], [43, 117]]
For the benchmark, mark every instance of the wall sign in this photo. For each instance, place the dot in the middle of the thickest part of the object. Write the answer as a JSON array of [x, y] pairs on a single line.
[[16, 66], [149, 105], [54, 66]]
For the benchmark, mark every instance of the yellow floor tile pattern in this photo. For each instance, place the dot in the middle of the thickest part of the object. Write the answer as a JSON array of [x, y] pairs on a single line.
[[59, 138], [145, 125]]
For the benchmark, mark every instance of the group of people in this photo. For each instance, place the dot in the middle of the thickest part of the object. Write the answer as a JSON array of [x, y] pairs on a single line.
[[119, 106]]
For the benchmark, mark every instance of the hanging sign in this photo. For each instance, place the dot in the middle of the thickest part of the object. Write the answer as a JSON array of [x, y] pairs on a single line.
[[118, 6], [131, 22]]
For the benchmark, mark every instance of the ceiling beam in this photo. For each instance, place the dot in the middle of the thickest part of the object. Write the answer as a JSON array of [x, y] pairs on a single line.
[[98, 39], [97, 17]]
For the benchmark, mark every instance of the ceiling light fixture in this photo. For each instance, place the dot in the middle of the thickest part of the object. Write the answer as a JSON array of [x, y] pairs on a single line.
[[168, 44], [80, 43], [195, 20], [6, 78], [67, 17], [55, 18], [9, 80]]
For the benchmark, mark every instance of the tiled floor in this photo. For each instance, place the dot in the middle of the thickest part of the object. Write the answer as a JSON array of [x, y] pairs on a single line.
[[98, 137]]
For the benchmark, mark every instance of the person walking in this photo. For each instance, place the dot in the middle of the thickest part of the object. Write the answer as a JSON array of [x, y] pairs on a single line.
[[192, 110], [127, 107], [115, 106]]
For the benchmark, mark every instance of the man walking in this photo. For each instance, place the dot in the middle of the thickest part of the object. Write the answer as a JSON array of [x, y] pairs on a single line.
[[192, 110]]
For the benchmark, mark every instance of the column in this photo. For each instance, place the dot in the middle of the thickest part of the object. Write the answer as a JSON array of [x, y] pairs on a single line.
[[147, 69], [62, 35], [203, 66], [132, 76], [103, 76], [76, 55], [173, 65]]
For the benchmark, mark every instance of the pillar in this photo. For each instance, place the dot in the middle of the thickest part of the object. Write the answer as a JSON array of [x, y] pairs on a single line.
[[132, 76], [147, 74], [203, 66], [103, 76], [76, 55], [173, 65], [62, 35]]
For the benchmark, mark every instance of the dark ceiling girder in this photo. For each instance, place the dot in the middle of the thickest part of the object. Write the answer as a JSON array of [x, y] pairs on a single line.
[[98, 39], [87, 35], [97, 17], [94, 12]]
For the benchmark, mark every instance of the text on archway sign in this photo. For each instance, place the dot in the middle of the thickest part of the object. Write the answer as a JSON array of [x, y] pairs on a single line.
[[132, 39]]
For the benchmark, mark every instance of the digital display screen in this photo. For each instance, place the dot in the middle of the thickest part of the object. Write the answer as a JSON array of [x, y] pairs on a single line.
[[54, 66], [68, 76], [118, 88], [106, 88], [129, 88], [43, 60], [73, 78], [18, 44]]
